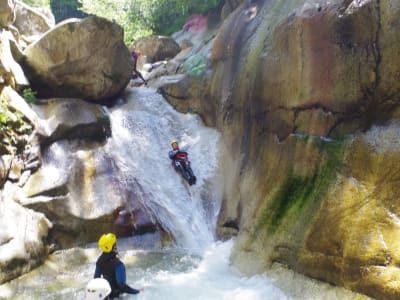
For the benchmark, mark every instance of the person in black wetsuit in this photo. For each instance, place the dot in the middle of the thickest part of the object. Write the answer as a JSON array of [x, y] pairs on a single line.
[[181, 163], [135, 72], [111, 268]]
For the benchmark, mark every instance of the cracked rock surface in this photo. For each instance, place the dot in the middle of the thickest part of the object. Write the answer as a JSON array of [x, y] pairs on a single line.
[[306, 95]]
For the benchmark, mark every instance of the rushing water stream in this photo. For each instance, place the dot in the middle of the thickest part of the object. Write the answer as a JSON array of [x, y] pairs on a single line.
[[196, 267]]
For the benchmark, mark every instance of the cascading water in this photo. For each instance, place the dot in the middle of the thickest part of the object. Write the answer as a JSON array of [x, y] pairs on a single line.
[[135, 162], [142, 131]]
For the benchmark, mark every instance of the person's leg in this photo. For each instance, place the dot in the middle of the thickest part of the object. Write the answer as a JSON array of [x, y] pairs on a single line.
[[140, 76], [182, 169]]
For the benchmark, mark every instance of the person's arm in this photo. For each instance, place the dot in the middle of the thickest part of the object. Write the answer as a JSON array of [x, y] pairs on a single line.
[[97, 272], [121, 281], [172, 154]]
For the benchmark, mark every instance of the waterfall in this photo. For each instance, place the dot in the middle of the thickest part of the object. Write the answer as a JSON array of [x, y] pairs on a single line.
[[142, 128], [134, 165]]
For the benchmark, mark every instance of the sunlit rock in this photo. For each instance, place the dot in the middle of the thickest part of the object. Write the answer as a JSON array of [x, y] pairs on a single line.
[[82, 192], [84, 59], [7, 12], [291, 84], [10, 71], [32, 21], [22, 237], [77, 189], [73, 118], [157, 48]]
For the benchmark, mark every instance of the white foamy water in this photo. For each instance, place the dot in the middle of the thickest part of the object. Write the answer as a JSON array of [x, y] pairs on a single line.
[[169, 275], [198, 267], [209, 278], [142, 130]]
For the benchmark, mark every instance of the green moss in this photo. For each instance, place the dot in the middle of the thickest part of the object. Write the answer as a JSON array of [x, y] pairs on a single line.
[[29, 95], [298, 193], [294, 193], [13, 127]]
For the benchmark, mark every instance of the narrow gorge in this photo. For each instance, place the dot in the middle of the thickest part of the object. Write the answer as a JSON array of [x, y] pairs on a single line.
[[290, 113]]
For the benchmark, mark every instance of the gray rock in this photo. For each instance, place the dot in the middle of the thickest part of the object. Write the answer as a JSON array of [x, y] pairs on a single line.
[[7, 12], [32, 22], [5, 166], [84, 59], [157, 48], [16, 169], [9, 67], [22, 236], [73, 118], [75, 189]]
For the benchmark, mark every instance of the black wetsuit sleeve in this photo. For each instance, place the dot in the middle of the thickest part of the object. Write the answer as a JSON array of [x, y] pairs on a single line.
[[172, 154], [97, 272]]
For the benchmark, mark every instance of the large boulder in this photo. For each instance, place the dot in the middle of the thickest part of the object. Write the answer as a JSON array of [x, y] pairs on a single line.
[[353, 237], [83, 193], [32, 22], [22, 239], [78, 197], [156, 47], [84, 59], [7, 12], [292, 84]]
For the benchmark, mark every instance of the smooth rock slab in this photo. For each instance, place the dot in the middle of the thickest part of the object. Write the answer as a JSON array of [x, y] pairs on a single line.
[[22, 237]]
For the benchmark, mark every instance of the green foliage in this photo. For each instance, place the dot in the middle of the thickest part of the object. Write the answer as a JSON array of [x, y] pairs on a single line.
[[38, 3], [13, 128], [29, 95], [144, 17], [64, 9], [137, 17]]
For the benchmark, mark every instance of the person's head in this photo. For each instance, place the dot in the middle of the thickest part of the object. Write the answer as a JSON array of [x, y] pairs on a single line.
[[108, 242], [174, 145]]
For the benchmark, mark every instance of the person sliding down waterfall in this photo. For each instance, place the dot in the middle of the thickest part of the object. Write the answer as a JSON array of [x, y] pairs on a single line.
[[111, 268], [181, 162]]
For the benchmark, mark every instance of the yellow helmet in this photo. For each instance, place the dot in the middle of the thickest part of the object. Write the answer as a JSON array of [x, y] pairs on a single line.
[[107, 242], [174, 142]]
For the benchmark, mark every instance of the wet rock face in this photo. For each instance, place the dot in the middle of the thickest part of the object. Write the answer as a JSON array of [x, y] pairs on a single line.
[[292, 84], [69, 60]]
